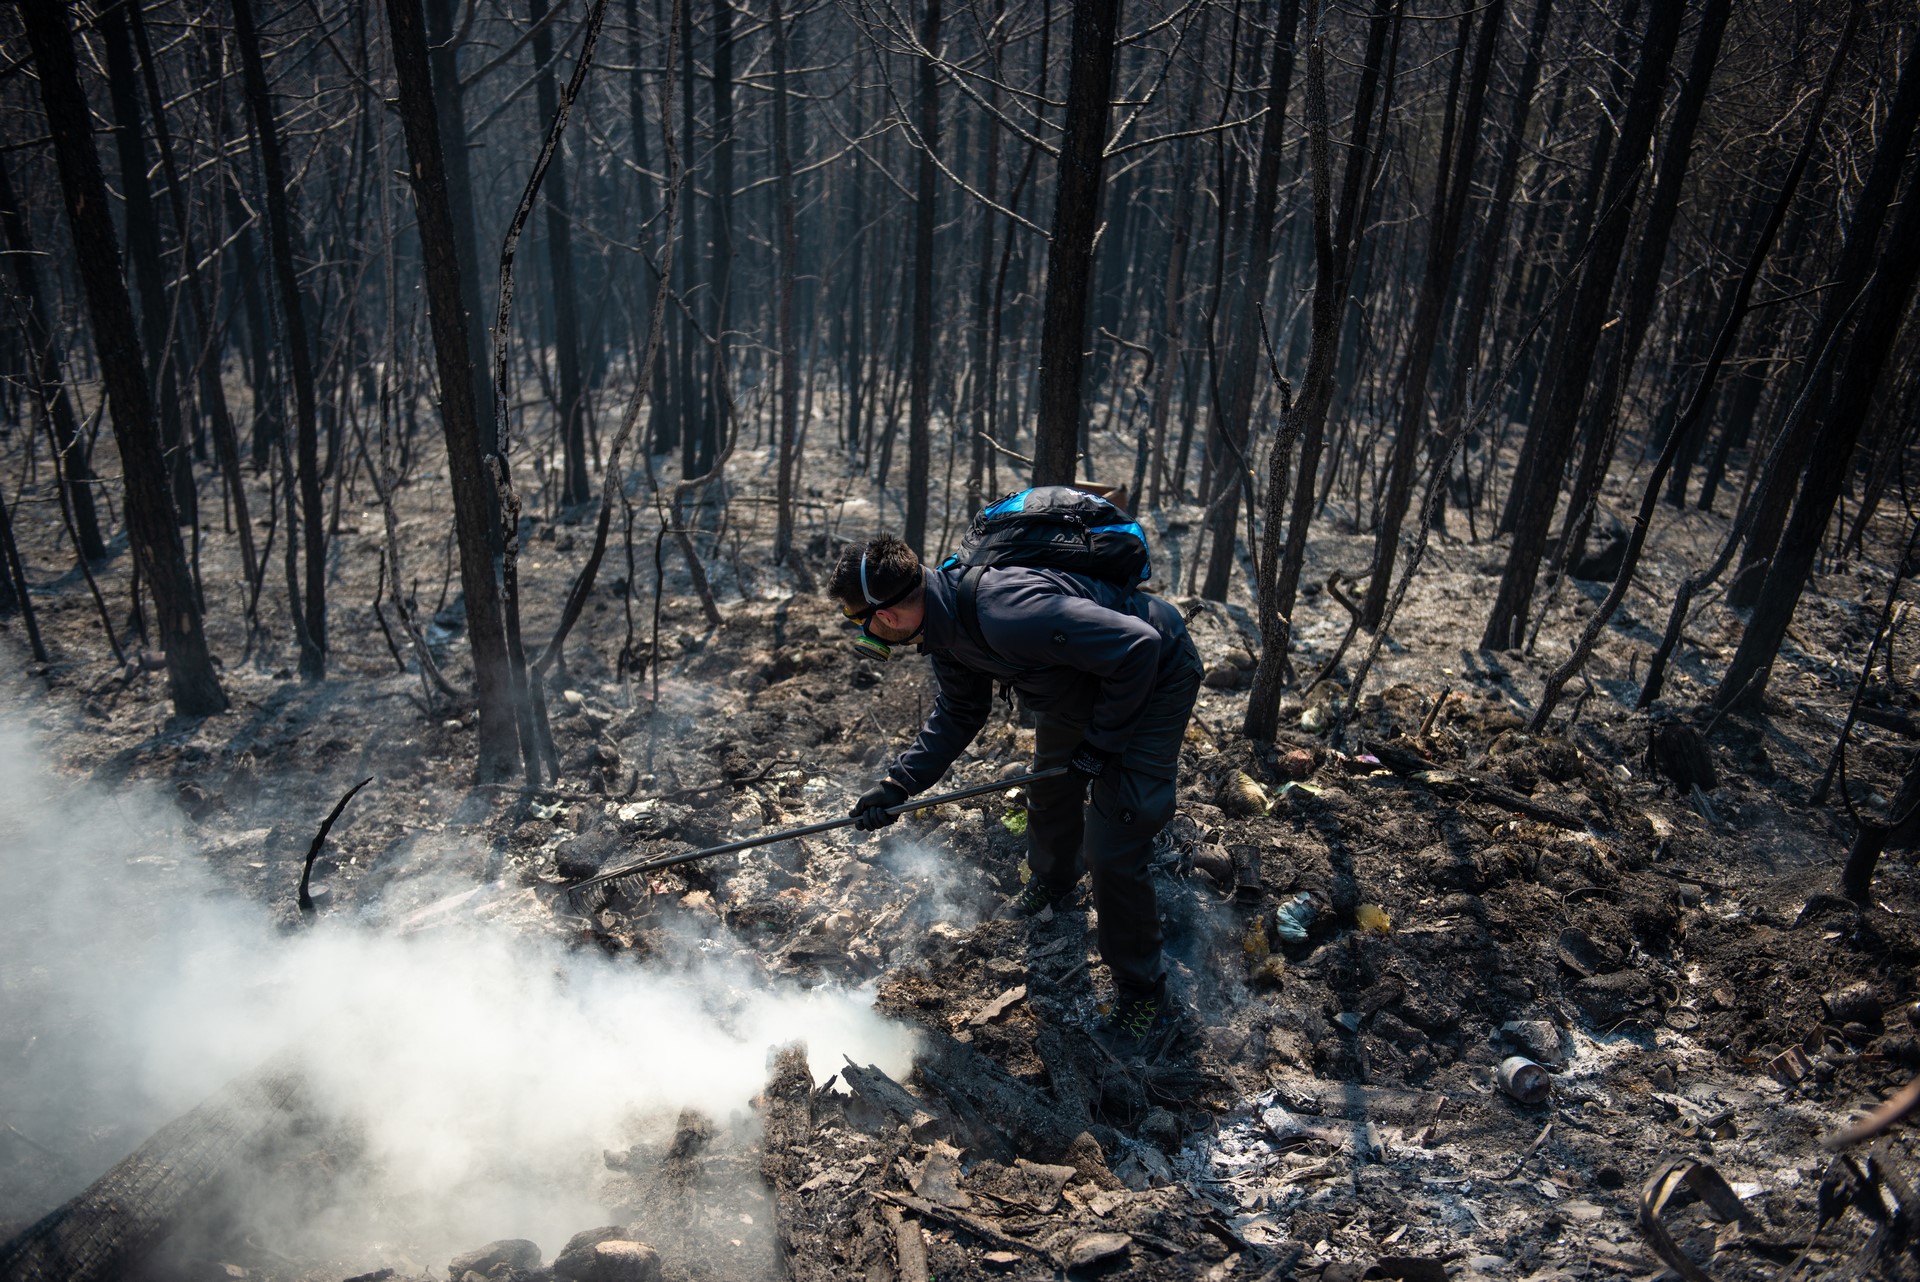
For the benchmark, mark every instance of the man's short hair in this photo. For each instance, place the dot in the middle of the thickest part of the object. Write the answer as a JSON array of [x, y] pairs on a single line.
[[891, 568]]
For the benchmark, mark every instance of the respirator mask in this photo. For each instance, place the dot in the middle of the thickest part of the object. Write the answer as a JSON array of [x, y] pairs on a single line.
[[867, 643]]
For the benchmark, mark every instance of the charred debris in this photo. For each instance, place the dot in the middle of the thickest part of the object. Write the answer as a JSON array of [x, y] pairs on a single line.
[[1465, 1001], [1519, 399]]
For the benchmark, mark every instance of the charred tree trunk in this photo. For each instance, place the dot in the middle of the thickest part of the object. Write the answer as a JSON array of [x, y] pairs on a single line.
[[926, 214], [473, 500], [721, 275], [1900, 831], [686, 395], [980, 390], [103, 1232], [1696, 408], [1884, 305], [213, 394], [1870, 212], [310, 617], [659, 399], [786, 340], [1459, 149], [1076, 212], [1333, 271], [1477, 290], [15, 593], [1243, 359], [1569, 225], [267, 416], [50, 387], [152, 524], [144, 255], [1567, 389], [565, 294], [786, 1120], [1263, 700], [456, 167], [1167, 341], [1643, 283]]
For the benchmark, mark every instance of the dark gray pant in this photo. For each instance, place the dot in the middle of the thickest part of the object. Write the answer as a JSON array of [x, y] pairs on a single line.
[[1110, 831]]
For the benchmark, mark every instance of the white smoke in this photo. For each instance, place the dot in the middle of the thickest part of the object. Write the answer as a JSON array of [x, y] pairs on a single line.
[[481, 1070]]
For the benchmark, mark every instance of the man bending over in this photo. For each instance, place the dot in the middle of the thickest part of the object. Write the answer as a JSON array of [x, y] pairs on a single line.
[[1110, 676]]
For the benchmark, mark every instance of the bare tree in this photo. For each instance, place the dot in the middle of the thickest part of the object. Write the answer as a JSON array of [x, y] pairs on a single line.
[[63, 424], [785, 338], [1889, 291], [926, 212], [151, 522], [473, 501], [569, 347], [1076, 209], [1243, 357], [1554, 427], [1700, 398], [310, 617]]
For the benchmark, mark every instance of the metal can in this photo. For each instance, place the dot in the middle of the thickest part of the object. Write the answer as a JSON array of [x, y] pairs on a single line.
[[1525, 1080]]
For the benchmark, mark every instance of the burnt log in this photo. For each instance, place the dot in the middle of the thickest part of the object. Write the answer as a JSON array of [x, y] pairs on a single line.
[[1000, 1116], [880, 1102], [787, 1129], [103, 1231], [786, 1116]]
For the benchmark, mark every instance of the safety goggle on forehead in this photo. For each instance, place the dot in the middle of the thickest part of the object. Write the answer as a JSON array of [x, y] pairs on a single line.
[[866, 642]]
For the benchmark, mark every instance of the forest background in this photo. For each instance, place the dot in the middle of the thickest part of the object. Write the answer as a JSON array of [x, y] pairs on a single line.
[[714, 275]]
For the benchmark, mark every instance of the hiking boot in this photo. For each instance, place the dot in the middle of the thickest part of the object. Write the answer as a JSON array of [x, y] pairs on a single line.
[[1140, 1023], [1035, 898]]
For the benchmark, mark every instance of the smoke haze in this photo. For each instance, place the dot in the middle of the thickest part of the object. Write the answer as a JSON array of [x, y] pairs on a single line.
[[481, 1072]]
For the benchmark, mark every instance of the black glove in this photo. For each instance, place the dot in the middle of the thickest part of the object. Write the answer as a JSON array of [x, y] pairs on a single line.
[[870, 812], [1088, 762]]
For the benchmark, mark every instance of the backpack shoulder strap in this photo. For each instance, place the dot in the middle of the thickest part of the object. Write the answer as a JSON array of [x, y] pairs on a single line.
[[968, 598]]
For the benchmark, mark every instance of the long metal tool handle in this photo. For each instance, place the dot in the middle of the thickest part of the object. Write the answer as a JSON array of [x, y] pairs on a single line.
[[767, 839]]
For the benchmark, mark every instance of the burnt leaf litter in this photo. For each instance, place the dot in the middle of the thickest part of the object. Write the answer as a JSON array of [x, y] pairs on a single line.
[[1459, 1000]]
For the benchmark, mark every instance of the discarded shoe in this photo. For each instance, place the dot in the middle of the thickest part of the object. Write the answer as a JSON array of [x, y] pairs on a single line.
[[1034, 898]]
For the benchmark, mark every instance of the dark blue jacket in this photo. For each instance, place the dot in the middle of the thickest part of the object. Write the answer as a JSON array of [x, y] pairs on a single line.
[[1064, 641]]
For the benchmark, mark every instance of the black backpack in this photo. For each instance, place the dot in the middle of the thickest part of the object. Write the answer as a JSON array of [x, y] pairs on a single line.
[[1049, 527]]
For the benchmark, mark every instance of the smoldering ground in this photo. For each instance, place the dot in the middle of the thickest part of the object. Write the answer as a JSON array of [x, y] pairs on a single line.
[[465, 1080]]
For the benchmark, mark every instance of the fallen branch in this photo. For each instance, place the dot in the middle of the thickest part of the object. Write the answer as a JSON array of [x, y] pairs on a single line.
[[1881, 1119], [1411, 765], [319, 840], [1353, 628], [959, 1220], [1886, 719], [1015, 455], [909, 1246]]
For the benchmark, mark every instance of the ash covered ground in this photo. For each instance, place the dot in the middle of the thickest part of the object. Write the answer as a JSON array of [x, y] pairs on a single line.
[[1466, 893]]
